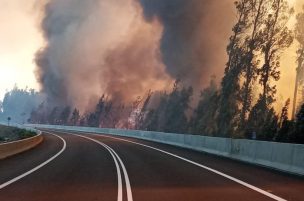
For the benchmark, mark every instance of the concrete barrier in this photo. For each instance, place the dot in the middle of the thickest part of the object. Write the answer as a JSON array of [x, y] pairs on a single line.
[[16, 147], [281, 156]]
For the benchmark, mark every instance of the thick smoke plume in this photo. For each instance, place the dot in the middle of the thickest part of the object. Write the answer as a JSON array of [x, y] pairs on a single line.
[[123, 48], [95, 47], [194, 37]]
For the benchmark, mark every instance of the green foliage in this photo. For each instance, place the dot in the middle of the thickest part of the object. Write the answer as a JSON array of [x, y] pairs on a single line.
[[26, 134], [13, 133]]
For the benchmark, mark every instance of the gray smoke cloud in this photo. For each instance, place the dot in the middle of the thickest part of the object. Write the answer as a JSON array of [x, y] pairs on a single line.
[[123, 48], [194, 37], [95, 47]]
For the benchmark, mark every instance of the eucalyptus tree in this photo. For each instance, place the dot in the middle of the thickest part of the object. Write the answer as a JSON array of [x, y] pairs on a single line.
[[228, 111]]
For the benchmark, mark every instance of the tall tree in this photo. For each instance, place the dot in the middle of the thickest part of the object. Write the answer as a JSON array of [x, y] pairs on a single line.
[[228, 112], [258, 12], [276, 37]]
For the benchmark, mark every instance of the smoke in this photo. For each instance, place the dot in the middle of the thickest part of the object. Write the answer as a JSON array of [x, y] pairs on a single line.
[[123, 48], [134, 66], [195, 35], [95, 47]]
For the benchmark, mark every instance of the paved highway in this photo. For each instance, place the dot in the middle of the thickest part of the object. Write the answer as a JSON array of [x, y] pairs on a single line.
[[70, 166]]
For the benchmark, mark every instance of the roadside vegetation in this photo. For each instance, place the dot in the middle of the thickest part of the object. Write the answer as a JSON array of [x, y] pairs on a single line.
[[8, 134]]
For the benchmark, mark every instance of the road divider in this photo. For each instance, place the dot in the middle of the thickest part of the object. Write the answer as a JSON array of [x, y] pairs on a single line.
[[16, 147], [280, 156]]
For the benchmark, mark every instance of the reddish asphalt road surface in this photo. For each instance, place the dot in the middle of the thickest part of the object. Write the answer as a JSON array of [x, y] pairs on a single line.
[[70, 166]]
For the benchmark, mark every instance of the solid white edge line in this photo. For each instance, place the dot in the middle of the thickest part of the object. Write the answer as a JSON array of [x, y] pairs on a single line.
[[37, 167], [202, 166], [119, 177]]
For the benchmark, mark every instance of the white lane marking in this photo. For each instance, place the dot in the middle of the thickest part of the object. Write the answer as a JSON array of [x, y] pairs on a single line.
[[202, 166], [127, 180], [128, 186], [119, 178], [37, 167]]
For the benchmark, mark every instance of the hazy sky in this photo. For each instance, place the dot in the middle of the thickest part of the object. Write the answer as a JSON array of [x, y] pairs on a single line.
[[19, 40]]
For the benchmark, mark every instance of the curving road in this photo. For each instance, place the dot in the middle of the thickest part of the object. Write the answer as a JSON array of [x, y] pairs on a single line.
[[70, 166]]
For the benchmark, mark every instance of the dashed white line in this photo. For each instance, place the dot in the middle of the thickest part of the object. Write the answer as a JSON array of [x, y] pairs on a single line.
[[37, 167]]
